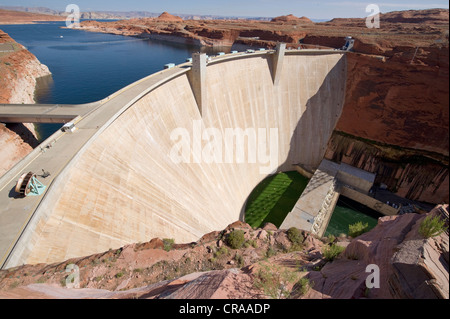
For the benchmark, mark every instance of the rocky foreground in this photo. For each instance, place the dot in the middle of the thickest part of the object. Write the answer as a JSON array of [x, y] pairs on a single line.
[[271, 263]]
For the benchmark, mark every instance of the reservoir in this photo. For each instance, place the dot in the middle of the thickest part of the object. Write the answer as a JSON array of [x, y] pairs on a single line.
[[87, 66]]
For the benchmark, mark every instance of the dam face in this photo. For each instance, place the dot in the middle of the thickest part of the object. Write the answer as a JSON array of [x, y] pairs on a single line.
[[124, 186]]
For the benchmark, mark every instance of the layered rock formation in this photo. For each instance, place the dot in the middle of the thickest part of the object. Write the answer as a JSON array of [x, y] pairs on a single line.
[[291, 19], [165, 16], [19, 70], [16, 17], [410, 266]]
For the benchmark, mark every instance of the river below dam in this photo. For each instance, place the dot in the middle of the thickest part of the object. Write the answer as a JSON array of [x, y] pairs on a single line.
[[87, 66]]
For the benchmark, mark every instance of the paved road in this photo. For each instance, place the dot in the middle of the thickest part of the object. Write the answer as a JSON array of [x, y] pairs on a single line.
[[55, 153]]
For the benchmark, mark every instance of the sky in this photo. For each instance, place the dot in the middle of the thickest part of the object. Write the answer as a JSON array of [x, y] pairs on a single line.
[[312, 9]]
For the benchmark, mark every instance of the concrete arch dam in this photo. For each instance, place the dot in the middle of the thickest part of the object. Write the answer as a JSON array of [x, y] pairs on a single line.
[[129, 182]]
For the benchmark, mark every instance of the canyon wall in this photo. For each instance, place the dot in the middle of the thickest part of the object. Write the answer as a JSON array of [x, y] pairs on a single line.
[[395, 120], [19, 70]]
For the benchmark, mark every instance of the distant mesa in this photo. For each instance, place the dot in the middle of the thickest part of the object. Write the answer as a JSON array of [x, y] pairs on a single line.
[[165, 16], [431, 16], [291, 18], [424, 17]]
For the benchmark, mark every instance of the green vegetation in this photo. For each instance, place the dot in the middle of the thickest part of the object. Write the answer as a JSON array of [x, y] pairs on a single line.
[[295, 235], [357, 229], [270, 252], [221, 252], [432, 226], [302, 287], [330, 239], [168, 244], [239, 260], [296, 238], [119, 274], [274, 198], [273, 281], [235, 239], [250, 242], [331, 252], [344, 215]]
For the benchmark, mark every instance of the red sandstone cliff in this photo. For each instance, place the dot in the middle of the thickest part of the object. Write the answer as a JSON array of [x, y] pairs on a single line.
[[165, 16], [19, 70]]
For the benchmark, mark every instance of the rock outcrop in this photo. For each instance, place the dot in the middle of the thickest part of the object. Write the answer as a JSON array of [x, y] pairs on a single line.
[[270, 263], [19, 70], [410, 266], [291, 19], [165, 16]]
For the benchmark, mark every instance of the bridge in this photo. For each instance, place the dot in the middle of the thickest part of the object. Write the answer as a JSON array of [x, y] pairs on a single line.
[[112, 181], [31, 113]]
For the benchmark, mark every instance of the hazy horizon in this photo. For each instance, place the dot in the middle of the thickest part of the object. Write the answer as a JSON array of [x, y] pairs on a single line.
[[250, 8]]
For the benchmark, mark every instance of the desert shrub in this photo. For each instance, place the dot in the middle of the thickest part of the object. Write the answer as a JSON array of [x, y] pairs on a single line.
[[270, 252], [431, 226], [357, 229], [119, 274], [168, 244], [240, 260], [221, 251], [295, 235], [330, 252], [274, 280], [250, 242], [330, 239], [302, 287], [235, 239]]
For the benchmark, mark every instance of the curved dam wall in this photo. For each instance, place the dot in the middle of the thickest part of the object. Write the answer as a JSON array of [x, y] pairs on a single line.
[[125, 187]]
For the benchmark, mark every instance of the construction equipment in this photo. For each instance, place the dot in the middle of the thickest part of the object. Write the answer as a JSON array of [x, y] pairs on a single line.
[[28, 185]]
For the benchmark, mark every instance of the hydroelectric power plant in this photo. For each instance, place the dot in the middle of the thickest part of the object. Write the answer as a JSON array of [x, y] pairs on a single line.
[[144, 162]]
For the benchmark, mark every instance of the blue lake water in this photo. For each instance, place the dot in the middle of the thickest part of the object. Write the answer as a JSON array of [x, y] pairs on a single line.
[[89, 66]]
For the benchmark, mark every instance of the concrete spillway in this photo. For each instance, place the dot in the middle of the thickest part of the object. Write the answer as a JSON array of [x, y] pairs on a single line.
[[123, 186]]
